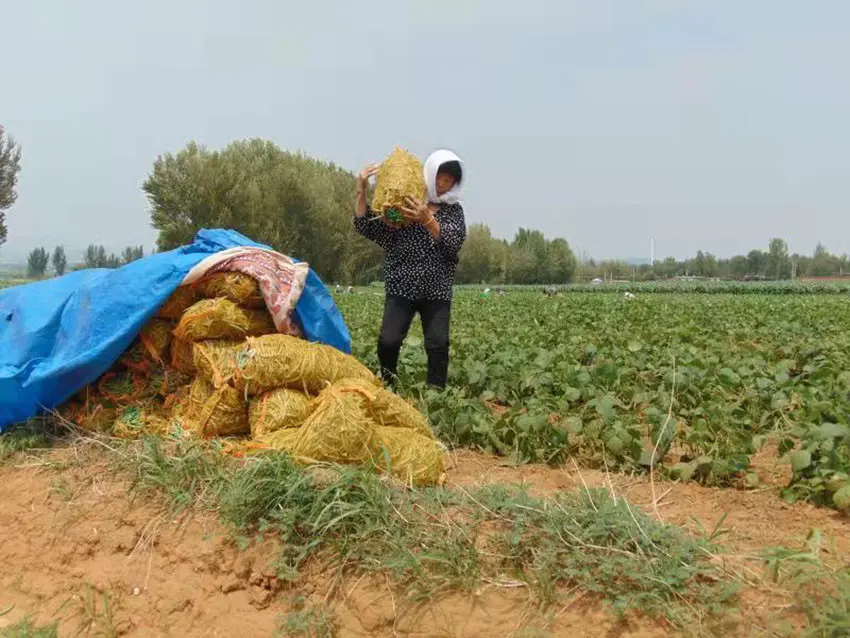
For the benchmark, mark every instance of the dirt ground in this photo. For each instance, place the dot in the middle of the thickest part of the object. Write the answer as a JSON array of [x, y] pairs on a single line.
[[75, 547]]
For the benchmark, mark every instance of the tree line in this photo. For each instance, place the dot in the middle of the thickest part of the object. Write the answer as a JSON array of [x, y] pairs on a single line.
[[303, 207], [776, 263], [94, 257], [10, 166]]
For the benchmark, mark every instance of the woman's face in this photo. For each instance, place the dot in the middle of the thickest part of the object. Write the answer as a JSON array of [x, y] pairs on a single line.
[[445, 182]]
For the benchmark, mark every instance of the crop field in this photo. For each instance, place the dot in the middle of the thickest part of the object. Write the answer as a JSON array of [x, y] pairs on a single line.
[[691, 383], [667, 464]]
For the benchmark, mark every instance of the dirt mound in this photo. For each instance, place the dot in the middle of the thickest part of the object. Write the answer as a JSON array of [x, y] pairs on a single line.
[[77, 549]]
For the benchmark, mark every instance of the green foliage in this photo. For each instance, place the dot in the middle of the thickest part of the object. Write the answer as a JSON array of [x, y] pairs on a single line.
[[820, 590], [821, 464], [352, 519], [306, 621], [775, 264], [304, 207], [97, 257], [710, 287], [183, 472], [605, 379], [132, 253], [10, 166], [37, 263], [298, 205], [23, 437], [59, 261], [26, 628]]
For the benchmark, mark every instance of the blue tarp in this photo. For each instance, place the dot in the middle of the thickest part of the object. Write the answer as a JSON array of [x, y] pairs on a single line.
[[58, 336]]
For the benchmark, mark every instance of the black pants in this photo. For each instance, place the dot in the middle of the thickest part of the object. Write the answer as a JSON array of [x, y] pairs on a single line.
[[398, 315]]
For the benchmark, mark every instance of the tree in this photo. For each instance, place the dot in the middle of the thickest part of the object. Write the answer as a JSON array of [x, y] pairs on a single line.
[[823, 264], [60, 261], [561, 262], [95, 257], [738, 267], [10, 166], [132, 253], [756, 263], [779, 263], [37, 263], [480, 257], [298, 205]]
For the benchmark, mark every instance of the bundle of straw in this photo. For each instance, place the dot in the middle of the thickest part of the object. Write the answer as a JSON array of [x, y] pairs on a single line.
[[412, 458], [276, 410], [389, 409], [277, 361], [215, 360], [156, 338], [212, 411], [222, 319], [182, 356], [400, 176], [338, 430], [177, 303], [283, 440], [234, 286]]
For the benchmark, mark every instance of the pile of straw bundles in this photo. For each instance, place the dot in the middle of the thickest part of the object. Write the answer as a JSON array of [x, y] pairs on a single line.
[[346, 424], [400, 176], [211, 364]]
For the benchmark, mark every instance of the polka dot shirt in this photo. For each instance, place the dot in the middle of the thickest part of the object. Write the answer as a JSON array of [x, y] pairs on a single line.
[[418, 266]]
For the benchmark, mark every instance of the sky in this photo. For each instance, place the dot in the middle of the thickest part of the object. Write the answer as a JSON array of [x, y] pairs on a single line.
[[711, 125]]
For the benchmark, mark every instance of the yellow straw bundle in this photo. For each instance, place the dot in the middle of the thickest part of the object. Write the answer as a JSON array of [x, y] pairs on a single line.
[[400, 176], [222, 319], [177, 303], [276, 410], [234, 286], [276, 361]]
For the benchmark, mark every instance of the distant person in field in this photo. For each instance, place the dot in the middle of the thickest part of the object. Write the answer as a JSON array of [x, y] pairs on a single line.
[[421, 259]]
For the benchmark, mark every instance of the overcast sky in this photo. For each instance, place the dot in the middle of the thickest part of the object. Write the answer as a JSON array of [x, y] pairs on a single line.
[[709, 125]]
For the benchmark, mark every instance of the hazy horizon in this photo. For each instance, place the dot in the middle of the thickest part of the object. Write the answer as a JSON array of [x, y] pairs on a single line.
[[706, 125]]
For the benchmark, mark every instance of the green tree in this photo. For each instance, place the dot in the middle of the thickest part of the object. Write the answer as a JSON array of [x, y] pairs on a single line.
[[778, 260], [738, 267], [37, 263], [60, 261], [10, 166], [298, 205], [95, 257], [132, 253], [757, 263], [823, 264], [528, 257], [561, 262], [478, 257]]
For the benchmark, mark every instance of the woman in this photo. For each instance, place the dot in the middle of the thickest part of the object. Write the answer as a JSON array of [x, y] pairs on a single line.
[[421, 259]]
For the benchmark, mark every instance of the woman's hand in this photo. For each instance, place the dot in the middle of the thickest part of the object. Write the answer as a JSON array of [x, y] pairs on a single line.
[[362, 186], [420, 213], [365, 174], [416, 211]]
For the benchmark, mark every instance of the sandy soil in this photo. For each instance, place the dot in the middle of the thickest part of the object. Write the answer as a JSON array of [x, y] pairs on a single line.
[[72, 540]]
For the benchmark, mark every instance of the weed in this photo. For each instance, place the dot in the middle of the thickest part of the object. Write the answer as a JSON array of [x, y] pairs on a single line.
[[97, 614], [431, 542], [184, 472], [820, 590], [26, 628], [306, 621], [32, 435]]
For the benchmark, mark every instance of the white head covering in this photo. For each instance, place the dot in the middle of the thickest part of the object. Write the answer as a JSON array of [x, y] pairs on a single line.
[[430, 169]]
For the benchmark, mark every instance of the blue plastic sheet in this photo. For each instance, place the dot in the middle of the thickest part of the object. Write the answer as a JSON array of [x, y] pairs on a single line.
[[58, 336]]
